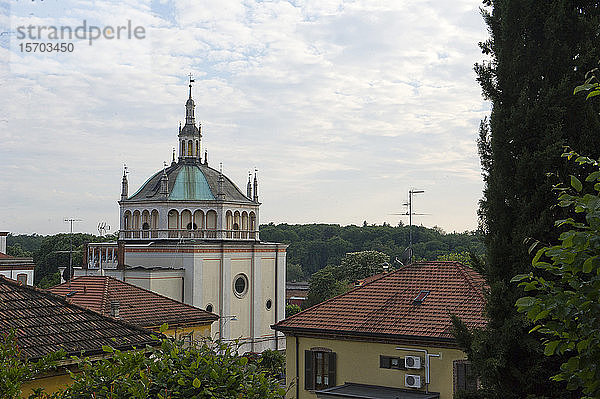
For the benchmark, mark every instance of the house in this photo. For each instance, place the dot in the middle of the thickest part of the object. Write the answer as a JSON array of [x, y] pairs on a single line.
[[20, 269], [296, 292], [191, 234], [115, 298], [45, 323], [388, 338]]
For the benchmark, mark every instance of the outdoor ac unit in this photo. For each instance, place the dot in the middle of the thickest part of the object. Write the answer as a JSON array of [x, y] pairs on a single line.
[[412, 381], [412, 362]]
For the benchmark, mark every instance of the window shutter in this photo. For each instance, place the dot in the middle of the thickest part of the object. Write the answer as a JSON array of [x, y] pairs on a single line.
[[309, 373], [384, 362], [332, 369]]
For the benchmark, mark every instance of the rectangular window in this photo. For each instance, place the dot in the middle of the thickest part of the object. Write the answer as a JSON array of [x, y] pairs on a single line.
[[464, 380], [22, 278], [391, 362], [319, 370]]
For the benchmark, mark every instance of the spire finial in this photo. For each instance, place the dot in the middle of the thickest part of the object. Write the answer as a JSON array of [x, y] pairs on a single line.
[[173, 155], [125, 171], [192, 80]]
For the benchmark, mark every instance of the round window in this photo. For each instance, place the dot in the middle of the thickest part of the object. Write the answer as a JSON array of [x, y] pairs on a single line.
[[209, 308], [240, 285], [269, 304]]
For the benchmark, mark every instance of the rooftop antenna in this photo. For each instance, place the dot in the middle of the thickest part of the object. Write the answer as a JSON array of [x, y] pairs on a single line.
[[410, 214], [103, 228], [71, 220]]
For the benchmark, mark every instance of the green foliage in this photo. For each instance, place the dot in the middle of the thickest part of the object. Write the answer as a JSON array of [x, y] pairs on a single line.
[[17, 251], [272, 362], [291, 309], [325, 284], [174, 370], [16, 370], [335, 280], [294, 272], [535, 52], [28, 243], [564, 287], [49, 281], [313, 246]]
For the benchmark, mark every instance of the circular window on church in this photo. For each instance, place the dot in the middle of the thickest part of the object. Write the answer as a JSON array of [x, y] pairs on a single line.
[[240, 285], [269, 304], [209, 307]]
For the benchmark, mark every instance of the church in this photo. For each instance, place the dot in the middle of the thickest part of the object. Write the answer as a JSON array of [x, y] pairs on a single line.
[[189, 233]]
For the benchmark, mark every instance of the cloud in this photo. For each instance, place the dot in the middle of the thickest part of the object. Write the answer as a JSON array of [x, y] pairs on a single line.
[[342, 106]]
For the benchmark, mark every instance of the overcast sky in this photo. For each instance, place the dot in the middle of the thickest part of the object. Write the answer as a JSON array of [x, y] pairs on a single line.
[[342, 106]]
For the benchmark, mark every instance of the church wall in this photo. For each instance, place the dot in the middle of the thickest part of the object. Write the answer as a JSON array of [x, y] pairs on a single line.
[[210, 292], [268, 293], [240, 307]]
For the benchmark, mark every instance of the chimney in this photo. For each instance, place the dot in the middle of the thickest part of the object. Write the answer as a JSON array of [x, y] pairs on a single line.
[[114, 309], [3, 235]]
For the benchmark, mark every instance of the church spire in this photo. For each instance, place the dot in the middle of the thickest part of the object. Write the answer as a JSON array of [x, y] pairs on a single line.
[[249, 187], [189, 106], [255, 186], [124, 185]]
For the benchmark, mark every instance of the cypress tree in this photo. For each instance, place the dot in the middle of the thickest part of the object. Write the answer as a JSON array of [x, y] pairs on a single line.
[[538, 52]]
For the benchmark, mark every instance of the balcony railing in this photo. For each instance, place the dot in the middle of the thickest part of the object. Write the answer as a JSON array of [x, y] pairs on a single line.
[[207, 234]]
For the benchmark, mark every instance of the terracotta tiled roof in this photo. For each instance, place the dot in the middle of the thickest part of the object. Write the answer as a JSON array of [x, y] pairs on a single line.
[[386, 306], [4, 256], [45, 323], [136, 305]]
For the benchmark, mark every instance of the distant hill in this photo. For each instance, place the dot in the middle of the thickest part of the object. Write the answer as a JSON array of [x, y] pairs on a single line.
[[315, 246]]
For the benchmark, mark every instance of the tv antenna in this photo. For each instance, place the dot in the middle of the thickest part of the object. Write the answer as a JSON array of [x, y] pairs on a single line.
[[103, 228], [410, 214], [71, 220]]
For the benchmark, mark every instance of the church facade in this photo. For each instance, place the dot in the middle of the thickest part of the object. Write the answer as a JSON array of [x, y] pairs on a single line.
[[191, 234]]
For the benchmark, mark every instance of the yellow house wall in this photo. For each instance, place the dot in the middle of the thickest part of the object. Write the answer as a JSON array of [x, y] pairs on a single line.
[[50, 384], [358, 362], [202, 331]]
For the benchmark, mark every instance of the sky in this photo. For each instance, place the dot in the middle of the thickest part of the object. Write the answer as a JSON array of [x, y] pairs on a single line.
[[341, 106]]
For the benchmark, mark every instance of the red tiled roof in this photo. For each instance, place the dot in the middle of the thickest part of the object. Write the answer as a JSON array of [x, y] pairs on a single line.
[[4, 256], [45, 323], [136, 305], [386, 306]]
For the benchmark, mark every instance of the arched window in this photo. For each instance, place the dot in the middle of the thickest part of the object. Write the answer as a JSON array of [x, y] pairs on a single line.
[[127, 221], [186, 219], [136, 220], [199, 219], [154, 220], [197, 148], [228, 223], [244, 220], [190, 148], [252, 225], [182, 148], [211, 223], [173, 217]]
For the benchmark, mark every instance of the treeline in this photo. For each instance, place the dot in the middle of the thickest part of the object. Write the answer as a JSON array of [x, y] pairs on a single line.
[[51, 252], [314, 246]]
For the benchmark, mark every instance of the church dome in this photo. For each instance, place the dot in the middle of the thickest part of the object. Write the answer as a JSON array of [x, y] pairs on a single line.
[[189, 181]]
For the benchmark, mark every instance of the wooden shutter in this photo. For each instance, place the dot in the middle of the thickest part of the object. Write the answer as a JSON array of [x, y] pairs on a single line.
[[309, 370], [385, 362], [332, 368]]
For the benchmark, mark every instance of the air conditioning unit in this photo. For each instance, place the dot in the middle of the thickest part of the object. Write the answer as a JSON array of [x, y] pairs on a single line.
[[412, 381], [412, 362]]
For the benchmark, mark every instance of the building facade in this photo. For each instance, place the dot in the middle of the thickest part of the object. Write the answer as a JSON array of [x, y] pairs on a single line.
[[388, 338], [19, 269], [191, 234]]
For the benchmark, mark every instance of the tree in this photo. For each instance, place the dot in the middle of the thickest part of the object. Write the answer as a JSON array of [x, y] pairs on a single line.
[[536, 51], [294, 272], [16, 370], [323, 285], [335, 280], [565, 285], [173, 370], [291, 309]]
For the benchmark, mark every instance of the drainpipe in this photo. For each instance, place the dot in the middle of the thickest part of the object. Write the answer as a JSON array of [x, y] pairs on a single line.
[[427, 356], [297, 371], [275, 297]]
